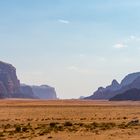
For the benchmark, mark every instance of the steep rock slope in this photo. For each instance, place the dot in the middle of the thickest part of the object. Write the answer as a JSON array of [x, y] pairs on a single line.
[[10, 86], [9, 83], [27, 92], [44, 92], [131, 94], [129, 82], [105, 93]]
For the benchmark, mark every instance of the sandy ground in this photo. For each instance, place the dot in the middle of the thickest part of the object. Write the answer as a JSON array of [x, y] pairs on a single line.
[[68, 120]]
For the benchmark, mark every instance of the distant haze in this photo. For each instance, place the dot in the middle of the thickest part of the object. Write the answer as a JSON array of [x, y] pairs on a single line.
[[72, 45]]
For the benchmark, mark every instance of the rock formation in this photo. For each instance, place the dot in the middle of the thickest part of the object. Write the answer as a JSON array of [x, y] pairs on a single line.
[[131, 94], [129, 82], [27, 92], [44, 92], [9, 84], [130, 78], [105, 93]]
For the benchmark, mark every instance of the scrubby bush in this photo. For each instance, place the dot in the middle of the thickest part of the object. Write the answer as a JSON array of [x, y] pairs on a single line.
[[68, 124], [18, 128]]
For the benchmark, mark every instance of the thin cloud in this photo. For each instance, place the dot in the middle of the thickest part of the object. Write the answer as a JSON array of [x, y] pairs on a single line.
[[63, 21], [120, 46], [132, 38], [127, 42]]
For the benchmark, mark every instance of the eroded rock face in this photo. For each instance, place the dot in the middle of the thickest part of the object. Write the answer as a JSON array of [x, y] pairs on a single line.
[[9, 84], [105, 93], [3, 91], [44, 92], [131, 94], [131, 81], [130, 78], [27, 92]]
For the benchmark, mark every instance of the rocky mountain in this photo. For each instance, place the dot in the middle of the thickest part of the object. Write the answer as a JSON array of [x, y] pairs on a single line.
[[130, 78], [10, 86], [27, 92], [44, 92], [105, 93], [129, 82], [131, 94], [9, 83]]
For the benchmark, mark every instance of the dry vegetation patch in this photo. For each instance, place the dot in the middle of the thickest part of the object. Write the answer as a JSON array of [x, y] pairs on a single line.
[[39, 119]]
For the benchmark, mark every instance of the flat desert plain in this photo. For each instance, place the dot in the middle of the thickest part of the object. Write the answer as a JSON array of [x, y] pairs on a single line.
[[69, 120]]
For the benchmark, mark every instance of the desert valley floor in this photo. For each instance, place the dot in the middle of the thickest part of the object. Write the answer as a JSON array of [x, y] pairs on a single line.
[[69, 120]]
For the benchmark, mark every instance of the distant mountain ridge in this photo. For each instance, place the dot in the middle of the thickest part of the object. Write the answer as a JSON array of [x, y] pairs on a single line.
[[131, 81], [44, 92], [39, 92], [105, 93], [10, 86]]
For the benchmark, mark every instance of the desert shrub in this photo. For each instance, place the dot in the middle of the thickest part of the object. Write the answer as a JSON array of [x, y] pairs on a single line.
[[60, 128], [50, 137], [125, 118], [1, 134], [105, 126], [68, 123], [72, 129], [29, 125], [18, 128], [94, 124], [82, 119], [91, 126], [44, 131], [11, 133], [30, 119], [7, 126], [118, 118], [24, 129], [80, 124], [122, 126], [134, 122], [53, 124]]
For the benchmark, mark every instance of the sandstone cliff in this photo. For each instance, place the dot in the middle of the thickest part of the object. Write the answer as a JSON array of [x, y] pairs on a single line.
[[44, 92], [9, 84]]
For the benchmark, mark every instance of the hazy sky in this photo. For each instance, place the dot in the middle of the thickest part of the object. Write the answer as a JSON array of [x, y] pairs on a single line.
[[73, 45]]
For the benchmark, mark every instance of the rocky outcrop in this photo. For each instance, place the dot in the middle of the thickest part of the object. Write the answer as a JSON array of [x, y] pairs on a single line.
[[9, 84], [27, 92], [130, 78], [114, 86], [129, 82], [44, 92], [3, 91], [105, 93], [132, 94]]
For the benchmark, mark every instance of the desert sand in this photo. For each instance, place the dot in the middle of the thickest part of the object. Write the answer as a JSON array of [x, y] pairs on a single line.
[[69, 120]]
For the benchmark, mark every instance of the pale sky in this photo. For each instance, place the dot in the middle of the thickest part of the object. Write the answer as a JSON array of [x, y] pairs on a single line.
[[73, 45]]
